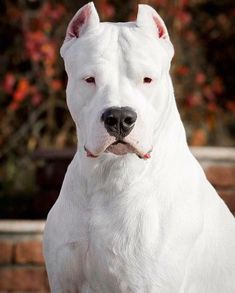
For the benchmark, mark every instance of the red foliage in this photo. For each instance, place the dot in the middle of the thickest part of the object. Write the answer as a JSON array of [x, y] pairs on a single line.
[[34, 81], [9, 82]]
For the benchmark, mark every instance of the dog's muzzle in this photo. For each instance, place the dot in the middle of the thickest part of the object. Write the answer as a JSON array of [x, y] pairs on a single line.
[[119, 121]]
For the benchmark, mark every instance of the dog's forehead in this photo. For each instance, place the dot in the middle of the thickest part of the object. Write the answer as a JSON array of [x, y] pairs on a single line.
[[116, 40]]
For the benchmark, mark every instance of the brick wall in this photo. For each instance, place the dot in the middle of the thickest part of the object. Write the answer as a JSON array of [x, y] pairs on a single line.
[[219, 166], [21, 260]]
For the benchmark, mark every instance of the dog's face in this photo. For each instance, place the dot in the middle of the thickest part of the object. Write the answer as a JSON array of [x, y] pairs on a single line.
[[118, 77]]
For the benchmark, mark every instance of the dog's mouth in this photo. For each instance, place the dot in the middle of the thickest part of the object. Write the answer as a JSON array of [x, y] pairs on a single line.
[[120, 148]]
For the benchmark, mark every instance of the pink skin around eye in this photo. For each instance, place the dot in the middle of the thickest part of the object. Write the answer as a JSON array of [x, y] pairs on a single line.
[[147, 156]]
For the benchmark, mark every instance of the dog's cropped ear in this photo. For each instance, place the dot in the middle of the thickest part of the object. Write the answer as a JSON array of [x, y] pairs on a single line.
[[149, 19], [84, 20]]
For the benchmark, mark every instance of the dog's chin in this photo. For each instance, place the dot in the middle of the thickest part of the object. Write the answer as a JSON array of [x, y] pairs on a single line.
[[120, 148]]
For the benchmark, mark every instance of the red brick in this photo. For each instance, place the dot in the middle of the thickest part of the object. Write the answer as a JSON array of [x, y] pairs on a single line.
[[23, 279], [229, 197], [29, 252], [221, 175], [6, 251]]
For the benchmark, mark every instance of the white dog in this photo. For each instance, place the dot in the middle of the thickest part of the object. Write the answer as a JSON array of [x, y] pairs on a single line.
[[136, 212]]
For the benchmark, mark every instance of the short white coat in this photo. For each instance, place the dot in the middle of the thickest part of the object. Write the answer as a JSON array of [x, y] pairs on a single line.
[[121, 223]]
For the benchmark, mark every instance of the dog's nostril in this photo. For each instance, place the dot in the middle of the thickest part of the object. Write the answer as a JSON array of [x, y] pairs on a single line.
[[111, 121], [129, 121]]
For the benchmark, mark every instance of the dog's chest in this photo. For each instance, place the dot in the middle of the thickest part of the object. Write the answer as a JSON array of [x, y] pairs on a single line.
[[121, 249], [120, 243], [125, 248]]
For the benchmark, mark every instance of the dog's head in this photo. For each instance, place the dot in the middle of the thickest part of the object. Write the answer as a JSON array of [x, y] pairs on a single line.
[[118, 80]]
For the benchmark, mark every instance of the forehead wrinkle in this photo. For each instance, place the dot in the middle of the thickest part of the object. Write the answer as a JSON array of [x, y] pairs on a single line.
[[98, 47], [124, 46], [129, 53], [140, 51], [110, 46], [124, 41]]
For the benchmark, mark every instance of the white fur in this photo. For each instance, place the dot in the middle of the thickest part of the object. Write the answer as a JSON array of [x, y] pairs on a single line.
[[121, 223]]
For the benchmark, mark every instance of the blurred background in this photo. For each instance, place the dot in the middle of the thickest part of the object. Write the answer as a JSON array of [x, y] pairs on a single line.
[[37, 135]]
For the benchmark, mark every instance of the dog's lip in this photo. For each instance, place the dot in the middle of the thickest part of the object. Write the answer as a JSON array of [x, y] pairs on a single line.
[[140, 154], [119, 141], [89, 153]]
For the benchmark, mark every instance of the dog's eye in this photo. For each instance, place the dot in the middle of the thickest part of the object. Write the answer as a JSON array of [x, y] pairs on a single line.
[[90, 79], [147, 80]]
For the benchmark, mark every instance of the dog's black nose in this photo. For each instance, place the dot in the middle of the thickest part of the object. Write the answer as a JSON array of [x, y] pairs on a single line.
[[119, 121]]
